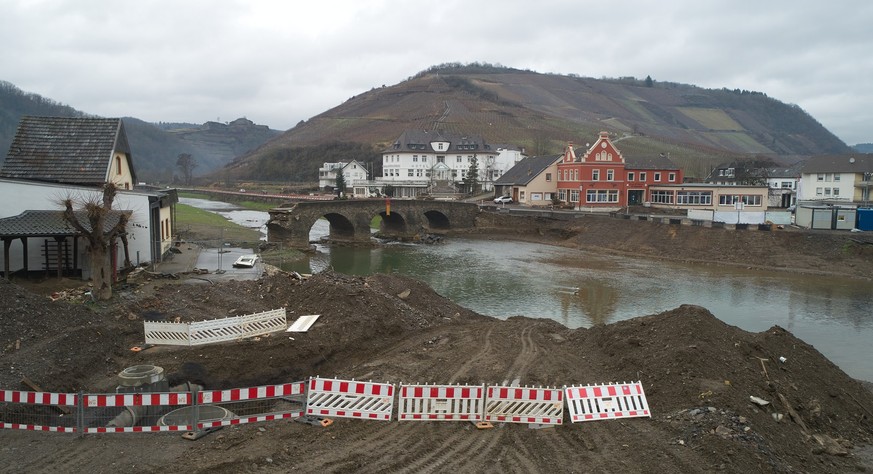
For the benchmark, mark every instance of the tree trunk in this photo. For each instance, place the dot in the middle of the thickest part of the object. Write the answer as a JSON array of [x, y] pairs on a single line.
[[101, 275]]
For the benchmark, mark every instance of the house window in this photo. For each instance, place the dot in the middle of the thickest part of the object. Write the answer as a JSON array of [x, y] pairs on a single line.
[[827, 191], [726, 200], [836, 191], [672, 177], [601, 195], [575, 175], [117, 165], [574, 195], [415, 158], [662, 197], [836, 177], [818, 191], [694, 197], [657, 177], [786, 184], [521, 195], [819, 177], [548, 176], [595, 175], [441, 159], [642, 176], [458, 159], [630, 176], [410, 172], [610, 175], [752, 200]]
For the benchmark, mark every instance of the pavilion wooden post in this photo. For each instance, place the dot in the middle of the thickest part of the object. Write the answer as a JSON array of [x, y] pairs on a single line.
[[60, 241], [6, 244], [24, 256]]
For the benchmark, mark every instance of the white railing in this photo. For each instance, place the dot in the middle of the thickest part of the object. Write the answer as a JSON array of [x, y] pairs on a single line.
[[216, 330]]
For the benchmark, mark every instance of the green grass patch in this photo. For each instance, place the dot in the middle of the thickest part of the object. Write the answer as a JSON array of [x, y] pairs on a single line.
[[197, 225]]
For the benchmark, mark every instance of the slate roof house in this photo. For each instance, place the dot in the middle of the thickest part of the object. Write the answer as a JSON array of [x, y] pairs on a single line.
[[80, 151], [54, 158], [531, 181]]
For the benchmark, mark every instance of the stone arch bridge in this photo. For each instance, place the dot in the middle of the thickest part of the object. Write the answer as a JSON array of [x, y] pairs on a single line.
[[350, 220]]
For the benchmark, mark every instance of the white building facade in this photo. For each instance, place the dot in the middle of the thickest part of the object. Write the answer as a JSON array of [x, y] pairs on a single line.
[[147, 213], [420, 160], [354, 172]]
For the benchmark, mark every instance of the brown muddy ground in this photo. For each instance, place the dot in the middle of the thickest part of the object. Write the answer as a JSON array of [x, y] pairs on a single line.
[[698, 374]]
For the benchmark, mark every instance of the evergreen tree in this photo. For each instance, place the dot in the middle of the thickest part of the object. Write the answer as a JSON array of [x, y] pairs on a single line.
[[340, 182], [471, 179]]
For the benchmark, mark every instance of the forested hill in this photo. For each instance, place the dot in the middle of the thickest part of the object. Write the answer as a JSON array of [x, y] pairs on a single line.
[[542, 112], [155, 147]]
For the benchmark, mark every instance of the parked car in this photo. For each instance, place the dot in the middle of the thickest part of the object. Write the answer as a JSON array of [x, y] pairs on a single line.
[[503, 200]]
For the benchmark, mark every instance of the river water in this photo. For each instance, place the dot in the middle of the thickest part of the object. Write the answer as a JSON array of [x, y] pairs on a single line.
[[581, 289]]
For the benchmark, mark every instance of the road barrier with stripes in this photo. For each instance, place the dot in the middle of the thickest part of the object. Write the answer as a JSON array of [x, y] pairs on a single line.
[[22, 410], [441, 403], [256, 404], [524, 405], [215, 330], [350, 399], [606, 402], [192, 409]]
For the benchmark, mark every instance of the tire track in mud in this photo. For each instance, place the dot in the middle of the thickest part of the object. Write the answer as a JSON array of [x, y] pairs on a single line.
[[455, 452], [465, 367], [361, 440], [526, 356]]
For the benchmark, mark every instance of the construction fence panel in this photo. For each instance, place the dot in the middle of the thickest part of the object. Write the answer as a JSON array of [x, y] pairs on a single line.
[[168, 334], [231, 328], [238, 327], [135, 412], [350, 399], [250, 405], [524, 405], [441, 403], [38, 411], [607, 401]]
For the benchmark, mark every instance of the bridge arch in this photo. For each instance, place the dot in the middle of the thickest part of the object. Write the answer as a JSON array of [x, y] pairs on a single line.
[[350, 220]]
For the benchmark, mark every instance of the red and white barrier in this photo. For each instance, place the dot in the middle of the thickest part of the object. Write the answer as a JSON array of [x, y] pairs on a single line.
[[138, 399], [441, 403], [525, 405], [38, 398], [350, 399], [606, 402], [252, 393]]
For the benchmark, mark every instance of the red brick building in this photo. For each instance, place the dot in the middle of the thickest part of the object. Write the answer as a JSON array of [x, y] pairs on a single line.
[[602, 178]]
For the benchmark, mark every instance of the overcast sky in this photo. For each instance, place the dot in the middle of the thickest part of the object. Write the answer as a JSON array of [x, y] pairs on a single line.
[[279, 62]]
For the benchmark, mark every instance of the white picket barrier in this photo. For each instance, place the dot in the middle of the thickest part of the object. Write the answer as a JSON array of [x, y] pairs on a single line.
[[350, 399], [524, 405], [607, 401], [216, 330], [441, 403]]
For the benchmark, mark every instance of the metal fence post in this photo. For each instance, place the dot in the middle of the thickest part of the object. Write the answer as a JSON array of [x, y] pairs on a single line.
[[195, 410], [80, 414]]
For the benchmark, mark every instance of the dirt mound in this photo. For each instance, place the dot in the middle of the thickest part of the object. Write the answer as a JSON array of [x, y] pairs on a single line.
[[698, 372]]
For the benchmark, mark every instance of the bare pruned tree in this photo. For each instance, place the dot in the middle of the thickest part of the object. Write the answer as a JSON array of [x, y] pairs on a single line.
[[99, 239], [186, 164]]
